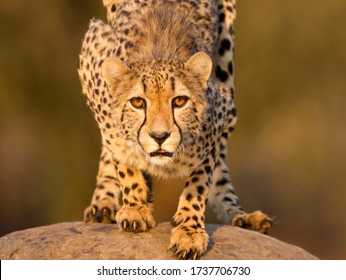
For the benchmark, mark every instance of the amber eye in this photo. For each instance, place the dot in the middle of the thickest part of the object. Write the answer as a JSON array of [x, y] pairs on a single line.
[[180, 101], [137, 102]]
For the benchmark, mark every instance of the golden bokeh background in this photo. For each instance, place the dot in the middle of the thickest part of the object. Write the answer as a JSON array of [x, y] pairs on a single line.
[[287, 155]]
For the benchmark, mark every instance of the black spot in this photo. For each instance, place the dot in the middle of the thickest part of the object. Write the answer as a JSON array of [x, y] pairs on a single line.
[[227, 199], [108, 125], [188, 197], [110, 177], [97, 197], [147, 179], [104, 34], [128, 45], [126, 190], [196, 207], [100, 187], [222, 182], [221, 51], [231, 129], [100, 62], [222, 17], [222, 75], [185, 208], [133, 204], [172, 83], [185, 229], [234, 112], [113, 8], [126, 201], [207, 169], [200, 190], [226, 44], [130, 172], [134, 186], [110, 194], [187, 184], [195, 218], [194, 179], [121, 174], [119, 51], [230, 67]]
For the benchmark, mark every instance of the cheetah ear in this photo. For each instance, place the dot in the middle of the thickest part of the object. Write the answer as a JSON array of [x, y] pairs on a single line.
[[200, 65], [114, 70]]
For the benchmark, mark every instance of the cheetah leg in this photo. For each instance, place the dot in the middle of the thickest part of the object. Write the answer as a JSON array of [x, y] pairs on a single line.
[[222, 197], [225, 203], [136, 213], [189, 240], [105, 200]]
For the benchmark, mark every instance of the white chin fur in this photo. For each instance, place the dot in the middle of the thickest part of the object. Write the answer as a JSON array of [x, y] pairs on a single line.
[[160, 160]]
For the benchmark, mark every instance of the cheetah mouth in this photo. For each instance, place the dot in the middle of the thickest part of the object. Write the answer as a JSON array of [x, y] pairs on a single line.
[[161, 153]]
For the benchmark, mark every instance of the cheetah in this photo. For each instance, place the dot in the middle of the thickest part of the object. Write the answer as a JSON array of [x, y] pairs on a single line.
[[158, 78]]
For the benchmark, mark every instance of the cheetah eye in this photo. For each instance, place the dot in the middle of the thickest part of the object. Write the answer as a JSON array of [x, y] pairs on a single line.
[[180, 101], [138, 102]]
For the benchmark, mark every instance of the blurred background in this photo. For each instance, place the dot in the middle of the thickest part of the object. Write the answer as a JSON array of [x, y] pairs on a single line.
[[287, 155]]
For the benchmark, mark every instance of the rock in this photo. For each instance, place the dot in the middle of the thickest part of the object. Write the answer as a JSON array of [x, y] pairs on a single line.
[[78, 240]]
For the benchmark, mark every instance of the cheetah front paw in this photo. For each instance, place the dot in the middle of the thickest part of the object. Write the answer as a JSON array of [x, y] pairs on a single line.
[[135, 218], [102, 212], [256, 221], [188, 243]]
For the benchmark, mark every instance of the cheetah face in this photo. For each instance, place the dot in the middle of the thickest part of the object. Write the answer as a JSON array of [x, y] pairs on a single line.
[[161, 104]]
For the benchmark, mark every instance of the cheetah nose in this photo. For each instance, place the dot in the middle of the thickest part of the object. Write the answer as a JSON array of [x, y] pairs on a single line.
[[159, 137]]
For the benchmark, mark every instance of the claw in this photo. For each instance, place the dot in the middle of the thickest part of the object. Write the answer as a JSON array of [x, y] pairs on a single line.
[[124, 224], [94, 210], [173, 249], [177, 253]]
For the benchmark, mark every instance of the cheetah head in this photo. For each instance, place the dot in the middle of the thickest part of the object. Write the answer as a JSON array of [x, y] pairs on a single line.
[[158, 106]]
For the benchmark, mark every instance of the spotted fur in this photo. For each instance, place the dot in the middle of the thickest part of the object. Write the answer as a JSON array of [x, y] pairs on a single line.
[[158, 77]]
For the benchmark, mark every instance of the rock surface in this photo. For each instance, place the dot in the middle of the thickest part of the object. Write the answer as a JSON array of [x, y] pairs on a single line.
[[77, 240]]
